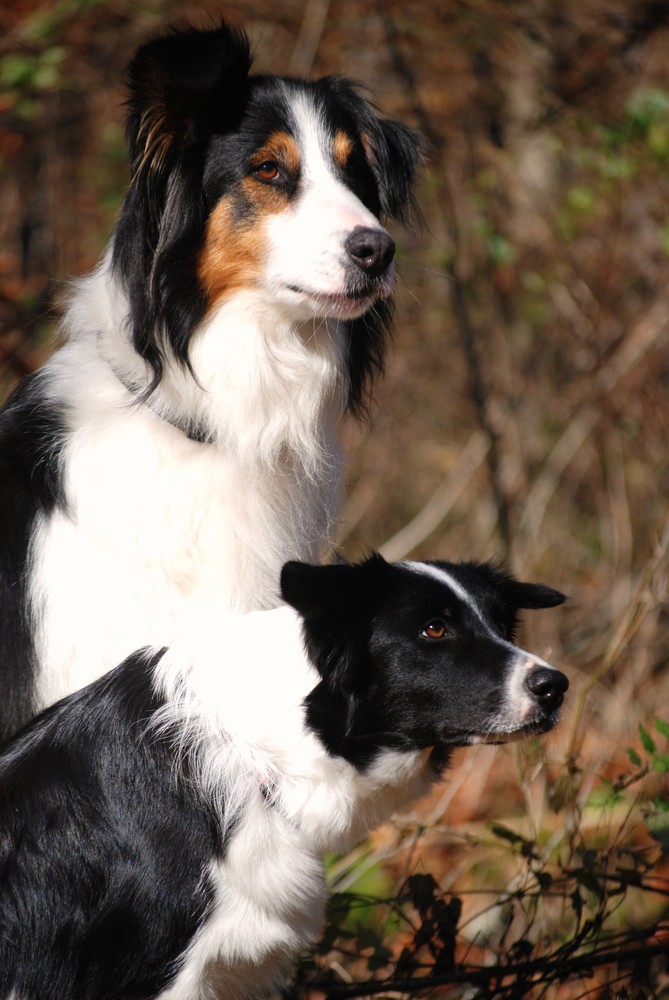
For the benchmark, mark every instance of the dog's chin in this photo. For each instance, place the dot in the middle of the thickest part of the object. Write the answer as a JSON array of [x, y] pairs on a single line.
[[535, 728], [497, 737]]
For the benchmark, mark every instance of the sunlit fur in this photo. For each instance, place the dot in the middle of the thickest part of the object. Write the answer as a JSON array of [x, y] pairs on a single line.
[[183, 444], [162, 831]]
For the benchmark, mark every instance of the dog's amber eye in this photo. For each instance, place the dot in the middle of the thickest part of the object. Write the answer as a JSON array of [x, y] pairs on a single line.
[[267, 172], [437, 629]]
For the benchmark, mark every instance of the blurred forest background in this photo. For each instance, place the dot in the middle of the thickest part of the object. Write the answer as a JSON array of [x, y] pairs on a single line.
[[524, 416]]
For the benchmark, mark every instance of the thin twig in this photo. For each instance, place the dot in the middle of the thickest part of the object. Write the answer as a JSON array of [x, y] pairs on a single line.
[[440, 503], [308, 40]]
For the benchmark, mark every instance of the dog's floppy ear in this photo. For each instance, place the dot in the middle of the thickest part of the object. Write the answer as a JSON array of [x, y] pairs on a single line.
[[515, 594], [182, 88], [533, 595], [177, 84], [311, 589], [320, 594], [334, 603], [394, 153], [511, 595]]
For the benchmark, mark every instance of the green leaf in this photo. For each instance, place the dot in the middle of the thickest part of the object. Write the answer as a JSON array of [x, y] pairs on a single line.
[[634, 757], [647, 739], [501, 251], [647, 105], [662, 727], [661, 763]]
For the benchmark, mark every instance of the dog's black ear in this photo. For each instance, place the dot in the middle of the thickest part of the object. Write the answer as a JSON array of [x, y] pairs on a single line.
[[316, 590], [516, 594], [339, 589], [394, 153], [509, 596], [182, 88], [177, 84], [335, 603], [533, 595]]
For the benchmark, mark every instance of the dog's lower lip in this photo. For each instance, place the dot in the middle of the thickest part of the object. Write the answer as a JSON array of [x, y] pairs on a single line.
[[337, 298], [514, 735], [473, 738]]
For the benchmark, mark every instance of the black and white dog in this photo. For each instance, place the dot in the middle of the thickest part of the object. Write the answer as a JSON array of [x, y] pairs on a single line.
[[162, 831], [184, 441]]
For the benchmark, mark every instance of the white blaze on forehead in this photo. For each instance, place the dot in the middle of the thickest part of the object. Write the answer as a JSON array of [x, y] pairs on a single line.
[[313, 137], [319, 171], [460, 592]]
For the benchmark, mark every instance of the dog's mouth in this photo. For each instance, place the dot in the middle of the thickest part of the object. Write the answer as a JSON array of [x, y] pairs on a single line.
[[347, 304], [492, 737], [535, 727]]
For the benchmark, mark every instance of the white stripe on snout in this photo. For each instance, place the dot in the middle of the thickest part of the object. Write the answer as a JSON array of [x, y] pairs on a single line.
[[519, 705], [307, 265]]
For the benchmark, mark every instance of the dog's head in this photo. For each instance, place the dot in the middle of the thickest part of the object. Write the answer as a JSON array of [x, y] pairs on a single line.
[[253, 182], [420, 655]]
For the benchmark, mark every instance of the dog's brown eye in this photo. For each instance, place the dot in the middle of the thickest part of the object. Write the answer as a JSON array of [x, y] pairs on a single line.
[[436, 629], [267, 172]]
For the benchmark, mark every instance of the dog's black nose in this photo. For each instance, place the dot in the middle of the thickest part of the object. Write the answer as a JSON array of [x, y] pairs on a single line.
[[371, 249], [547, 686]]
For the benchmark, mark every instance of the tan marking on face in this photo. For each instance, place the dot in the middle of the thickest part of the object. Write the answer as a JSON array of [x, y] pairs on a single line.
[[342, 147], [235, 245], [233, 252]]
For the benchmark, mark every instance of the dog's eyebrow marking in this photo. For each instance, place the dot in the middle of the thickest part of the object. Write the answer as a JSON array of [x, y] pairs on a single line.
[[342, 147], [460, 592]]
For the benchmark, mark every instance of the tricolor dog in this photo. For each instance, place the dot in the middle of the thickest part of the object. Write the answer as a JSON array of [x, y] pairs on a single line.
[[184, 441], [162, 831]]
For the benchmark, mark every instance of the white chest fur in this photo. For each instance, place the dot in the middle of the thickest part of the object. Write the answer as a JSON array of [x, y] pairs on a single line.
[[158, 524], [268, 906]]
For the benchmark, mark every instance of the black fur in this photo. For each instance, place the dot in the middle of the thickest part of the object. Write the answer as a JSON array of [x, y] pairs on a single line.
[[31, 439], [102, 848]]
